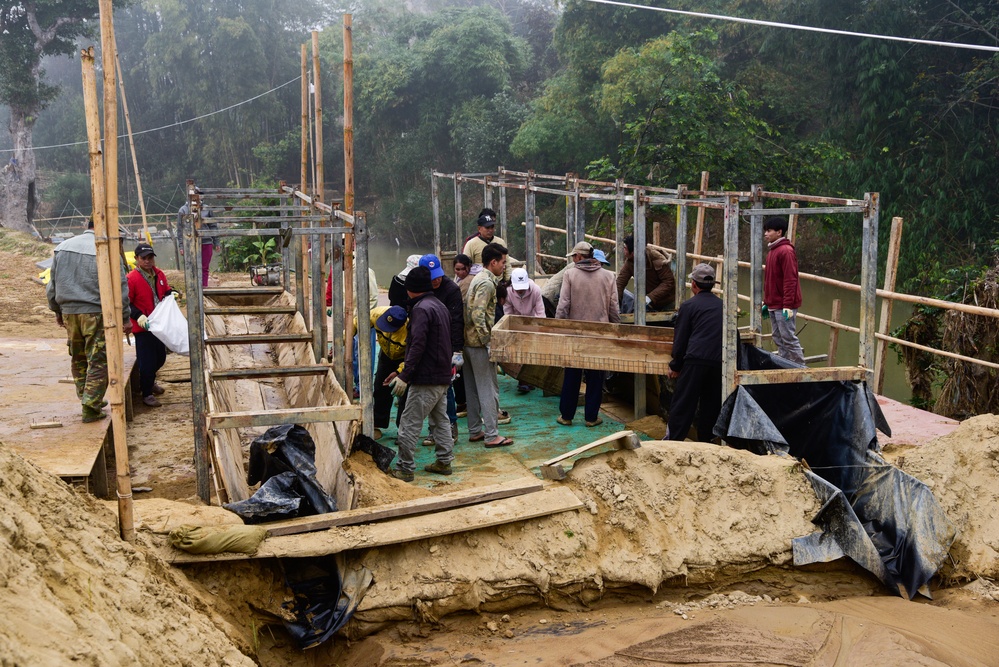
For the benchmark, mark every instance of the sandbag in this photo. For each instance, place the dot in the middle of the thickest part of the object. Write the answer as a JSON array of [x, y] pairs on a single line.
[[167, 323], [218, 539]]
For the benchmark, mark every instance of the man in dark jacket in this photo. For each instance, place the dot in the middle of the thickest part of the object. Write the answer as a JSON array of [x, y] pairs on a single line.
[[697, 359], [448, 293], [427, 375]]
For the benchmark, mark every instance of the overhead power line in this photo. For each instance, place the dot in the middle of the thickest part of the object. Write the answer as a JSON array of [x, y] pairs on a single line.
[[178, 123], [792, 26]]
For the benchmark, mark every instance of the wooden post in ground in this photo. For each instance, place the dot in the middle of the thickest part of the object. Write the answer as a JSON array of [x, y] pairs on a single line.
[[301, 256], [348, 194], [640, 268], [837, 311], [458, 236], [792, 224], [108, 272], [131, 146], [869, 284], [699, 234], [435, 202], [891, 273], [680, 286]]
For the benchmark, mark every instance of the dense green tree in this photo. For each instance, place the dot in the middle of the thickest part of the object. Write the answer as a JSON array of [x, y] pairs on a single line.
[[31, 30]]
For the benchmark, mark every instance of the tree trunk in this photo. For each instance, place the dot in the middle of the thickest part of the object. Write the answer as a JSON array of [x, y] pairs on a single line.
[[18, 198]]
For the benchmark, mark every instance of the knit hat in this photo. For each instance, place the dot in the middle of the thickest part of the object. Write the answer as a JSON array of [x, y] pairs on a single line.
[[434, 264], [418, 280]]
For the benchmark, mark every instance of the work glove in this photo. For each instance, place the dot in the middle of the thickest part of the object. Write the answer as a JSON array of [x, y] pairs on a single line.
[[398, 386], [648, 301], [765, 312], [176, 295], [143, 322], [329, 312], [788, 313], [457, 360]]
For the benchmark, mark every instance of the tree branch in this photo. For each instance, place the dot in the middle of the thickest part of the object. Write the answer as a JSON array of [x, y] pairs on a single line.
[[44, 37]]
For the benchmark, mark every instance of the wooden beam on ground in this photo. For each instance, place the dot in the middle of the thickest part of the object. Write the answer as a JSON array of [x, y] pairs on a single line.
[[788, 375], [463, 498], [552, 468], [319, 413], [249, 310], [249, 339], [276, 371], [552, 500]]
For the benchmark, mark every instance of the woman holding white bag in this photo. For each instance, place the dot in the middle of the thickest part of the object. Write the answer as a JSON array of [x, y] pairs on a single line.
[[147, 286]]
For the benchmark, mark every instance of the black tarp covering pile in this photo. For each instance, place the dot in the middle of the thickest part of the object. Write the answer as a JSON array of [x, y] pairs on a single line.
[[885, 520], [326, 593], [284, 459]]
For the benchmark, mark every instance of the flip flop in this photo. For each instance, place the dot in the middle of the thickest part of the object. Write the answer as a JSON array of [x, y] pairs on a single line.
[[503, 442], [476, 438]]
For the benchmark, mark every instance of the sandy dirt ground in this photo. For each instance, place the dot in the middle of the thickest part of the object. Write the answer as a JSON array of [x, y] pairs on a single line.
[[691, 566]]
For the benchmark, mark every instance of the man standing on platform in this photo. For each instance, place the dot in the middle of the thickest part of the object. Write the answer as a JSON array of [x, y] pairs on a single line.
[[481, 385], [660, 285], [74, 295], [589, 295], [448, 293], [697, 359], [147, 286], [782, 289], [427, 375]]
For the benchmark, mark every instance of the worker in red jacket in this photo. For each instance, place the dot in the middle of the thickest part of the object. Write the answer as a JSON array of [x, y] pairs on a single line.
[[147, 286]]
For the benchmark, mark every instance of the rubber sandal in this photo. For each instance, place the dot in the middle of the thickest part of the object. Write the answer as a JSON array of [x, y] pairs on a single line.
[[503, 442], [476, 438]]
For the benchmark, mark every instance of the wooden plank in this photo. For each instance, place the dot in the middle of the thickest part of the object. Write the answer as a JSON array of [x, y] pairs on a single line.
[[788, 375], [241, 291], [319, 413], [552, 468], [249, 310], [405, 508], [249, 339], [629, 318], [276, 371], [551, 500]]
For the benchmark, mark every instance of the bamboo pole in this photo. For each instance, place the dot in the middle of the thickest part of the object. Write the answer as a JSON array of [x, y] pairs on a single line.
[[792, 224], [891, 273], [558, 230], [837, 311], [699, 233], [348, 193], [131, 147], [301, 257], [110, 310]]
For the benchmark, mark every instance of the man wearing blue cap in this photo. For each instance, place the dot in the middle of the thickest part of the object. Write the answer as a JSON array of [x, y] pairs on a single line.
[[426, 375], [448, 293], [389, 325]]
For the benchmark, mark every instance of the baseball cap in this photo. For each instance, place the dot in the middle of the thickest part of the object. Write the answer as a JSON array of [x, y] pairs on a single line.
[[599, 255], [486, 220], [392, 319], [434, 264], [581, 248], [520, 280], [144, 250], [703, 273]]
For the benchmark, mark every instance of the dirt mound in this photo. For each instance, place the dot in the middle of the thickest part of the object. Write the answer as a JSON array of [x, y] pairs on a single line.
[[73, 591], [962, 470], [667, 512]]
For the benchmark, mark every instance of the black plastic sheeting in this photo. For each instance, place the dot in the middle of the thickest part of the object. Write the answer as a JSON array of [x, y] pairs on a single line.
[[325, 595], [284, 459], [379, 453], [885, 520]]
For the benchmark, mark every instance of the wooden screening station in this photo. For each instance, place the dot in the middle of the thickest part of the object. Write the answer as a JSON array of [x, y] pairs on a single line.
[[737, 208], [283, 334]]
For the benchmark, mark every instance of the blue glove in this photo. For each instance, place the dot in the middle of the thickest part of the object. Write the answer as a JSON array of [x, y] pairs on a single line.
[[788, 313], [398, 386]]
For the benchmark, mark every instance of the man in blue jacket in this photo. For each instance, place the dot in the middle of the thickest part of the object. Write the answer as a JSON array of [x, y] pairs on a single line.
[[427, 376]]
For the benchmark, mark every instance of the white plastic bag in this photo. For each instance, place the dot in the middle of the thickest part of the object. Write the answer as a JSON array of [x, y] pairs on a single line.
[[167, 323]]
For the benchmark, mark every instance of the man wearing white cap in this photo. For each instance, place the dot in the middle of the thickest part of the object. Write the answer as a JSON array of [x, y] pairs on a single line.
[[697, 359], [589, 294]]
